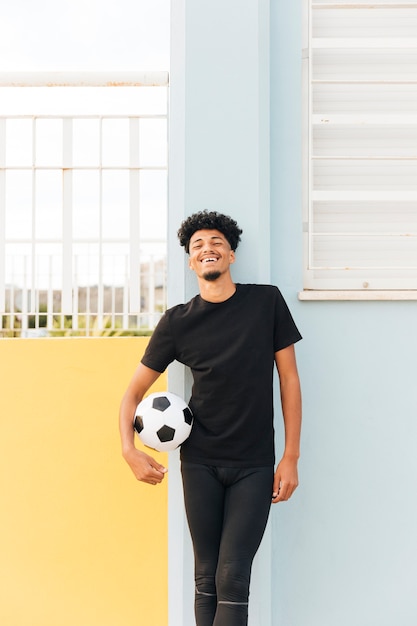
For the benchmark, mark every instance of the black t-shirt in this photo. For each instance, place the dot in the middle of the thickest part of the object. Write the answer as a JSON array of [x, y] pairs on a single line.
[[229, 347]]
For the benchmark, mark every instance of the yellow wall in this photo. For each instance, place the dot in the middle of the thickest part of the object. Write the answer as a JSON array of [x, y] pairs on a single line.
[[82, 543]]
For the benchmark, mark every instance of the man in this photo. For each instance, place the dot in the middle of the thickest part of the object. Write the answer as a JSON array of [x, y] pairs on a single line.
[[230, 336]]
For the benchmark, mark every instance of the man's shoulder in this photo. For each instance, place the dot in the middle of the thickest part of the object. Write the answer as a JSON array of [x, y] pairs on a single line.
[[181, 307], [258, 289]]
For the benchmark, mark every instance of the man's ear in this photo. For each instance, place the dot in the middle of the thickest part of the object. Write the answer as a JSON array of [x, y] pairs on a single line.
[[232, 256]]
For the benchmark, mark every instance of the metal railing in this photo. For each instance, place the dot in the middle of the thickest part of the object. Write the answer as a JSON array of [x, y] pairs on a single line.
[[83, 206]]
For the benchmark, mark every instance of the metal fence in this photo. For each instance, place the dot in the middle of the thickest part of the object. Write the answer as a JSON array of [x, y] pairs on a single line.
[[83, 204]]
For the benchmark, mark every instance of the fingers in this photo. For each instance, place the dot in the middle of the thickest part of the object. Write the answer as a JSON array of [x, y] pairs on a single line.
[[275, 489], [283, 491], [146, 469], [285, 479], [155, 475]]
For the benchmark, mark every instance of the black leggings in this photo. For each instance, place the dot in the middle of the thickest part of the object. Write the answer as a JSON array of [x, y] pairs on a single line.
[[227, 511]]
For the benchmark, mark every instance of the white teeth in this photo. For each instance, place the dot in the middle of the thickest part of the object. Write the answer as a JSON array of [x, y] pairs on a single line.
[[207, 260]]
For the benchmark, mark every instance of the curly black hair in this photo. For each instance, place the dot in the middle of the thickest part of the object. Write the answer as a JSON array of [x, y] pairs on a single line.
[[209, 220]]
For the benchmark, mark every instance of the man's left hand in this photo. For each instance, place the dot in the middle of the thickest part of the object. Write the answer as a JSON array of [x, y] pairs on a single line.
[[285, 479]]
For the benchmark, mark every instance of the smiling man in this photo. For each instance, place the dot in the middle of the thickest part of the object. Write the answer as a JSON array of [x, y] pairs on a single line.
[[231, 336], [210, 254]]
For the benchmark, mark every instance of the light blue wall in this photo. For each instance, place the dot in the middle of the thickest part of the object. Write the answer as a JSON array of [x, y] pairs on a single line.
[[219, 160], [345, 548]]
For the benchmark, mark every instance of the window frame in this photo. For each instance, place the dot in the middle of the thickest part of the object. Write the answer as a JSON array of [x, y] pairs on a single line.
[[137, 283], [339, 283]]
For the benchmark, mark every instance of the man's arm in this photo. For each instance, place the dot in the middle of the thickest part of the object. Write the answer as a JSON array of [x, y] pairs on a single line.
[[286, 474], [144, 467]]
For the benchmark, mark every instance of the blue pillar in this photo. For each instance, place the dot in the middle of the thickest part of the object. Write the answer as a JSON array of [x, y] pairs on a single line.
[[219, 160]]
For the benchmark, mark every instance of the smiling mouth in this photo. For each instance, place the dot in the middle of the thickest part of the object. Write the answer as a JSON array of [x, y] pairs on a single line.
[[209, 260]]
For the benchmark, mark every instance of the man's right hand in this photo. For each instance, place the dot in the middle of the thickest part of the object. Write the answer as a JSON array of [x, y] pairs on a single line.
[[144, 467]]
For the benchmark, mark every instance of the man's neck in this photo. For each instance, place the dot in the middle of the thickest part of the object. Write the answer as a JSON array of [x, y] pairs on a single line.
[[217, 290]]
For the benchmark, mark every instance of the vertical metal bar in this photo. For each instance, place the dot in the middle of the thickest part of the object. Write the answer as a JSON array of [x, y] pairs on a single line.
[[151, 286], [36, 317], [75, 296], [112, 311], [100, 242], [132, 297], [134, 209], [126, 295], [24, 308], [87, 311], [2, 215], [12, 300], [66, 302], [32, 285], [50, 296], [11, 295]]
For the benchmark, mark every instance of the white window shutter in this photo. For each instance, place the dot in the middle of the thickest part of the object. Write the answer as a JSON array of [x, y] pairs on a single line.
[[360, 145]]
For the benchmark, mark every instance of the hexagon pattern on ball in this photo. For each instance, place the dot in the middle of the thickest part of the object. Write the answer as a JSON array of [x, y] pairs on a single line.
[[163, 421]]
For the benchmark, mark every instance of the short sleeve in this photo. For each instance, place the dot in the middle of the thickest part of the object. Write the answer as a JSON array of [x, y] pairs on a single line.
[[160, 351], [286, 332]]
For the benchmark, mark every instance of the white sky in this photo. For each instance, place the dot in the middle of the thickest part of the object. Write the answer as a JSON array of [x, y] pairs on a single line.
[[84, 35]]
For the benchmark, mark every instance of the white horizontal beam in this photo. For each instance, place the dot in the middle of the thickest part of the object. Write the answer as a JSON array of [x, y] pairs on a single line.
[[329, 81], [370, 119], [362, 157], [86, 168], [368, 43], [356, 294], [84, 79], [357, 236], [366, 196], [373, 5], [87, 116]]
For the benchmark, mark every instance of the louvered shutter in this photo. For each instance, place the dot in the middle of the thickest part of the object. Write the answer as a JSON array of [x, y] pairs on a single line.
[[360, 145]]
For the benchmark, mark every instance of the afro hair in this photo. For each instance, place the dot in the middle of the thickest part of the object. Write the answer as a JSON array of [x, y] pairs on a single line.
[[209, 220]]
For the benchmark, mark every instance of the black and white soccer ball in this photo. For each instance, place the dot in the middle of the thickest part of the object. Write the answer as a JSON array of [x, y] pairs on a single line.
[[163, 421]]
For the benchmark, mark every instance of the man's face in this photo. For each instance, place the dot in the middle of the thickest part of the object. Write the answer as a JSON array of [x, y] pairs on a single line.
[[210, 254]]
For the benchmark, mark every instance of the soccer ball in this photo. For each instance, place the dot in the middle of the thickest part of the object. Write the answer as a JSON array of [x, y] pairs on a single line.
[[163, 421]]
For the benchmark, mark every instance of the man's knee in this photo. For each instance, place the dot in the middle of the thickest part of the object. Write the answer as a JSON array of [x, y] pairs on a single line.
[[232, 582], [205, 584]]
